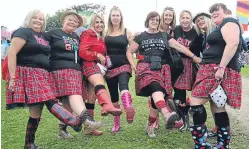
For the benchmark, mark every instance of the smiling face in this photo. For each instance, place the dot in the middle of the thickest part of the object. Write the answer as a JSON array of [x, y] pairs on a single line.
[[218, 16], [200, 21], [98, 25], [185, 20], [70, 23], [37, 22], [154, 22], [168, 16], [116, 17]]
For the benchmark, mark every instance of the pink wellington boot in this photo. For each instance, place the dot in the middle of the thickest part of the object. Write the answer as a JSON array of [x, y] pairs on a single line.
[[116, 122], [127, 103]]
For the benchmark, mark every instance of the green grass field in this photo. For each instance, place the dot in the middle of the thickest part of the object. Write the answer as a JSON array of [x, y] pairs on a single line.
[[131, 135], [245, 71]]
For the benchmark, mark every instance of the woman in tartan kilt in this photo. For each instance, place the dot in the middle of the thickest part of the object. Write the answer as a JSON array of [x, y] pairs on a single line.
[[119, 73], [185, 34], [93, 50], [220, 66], [167, 24], [65, 68], [29, 80], [204, 26], [153, 76]]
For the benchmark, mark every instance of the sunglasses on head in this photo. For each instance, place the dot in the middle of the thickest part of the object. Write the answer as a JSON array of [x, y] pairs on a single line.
[[169, 8]]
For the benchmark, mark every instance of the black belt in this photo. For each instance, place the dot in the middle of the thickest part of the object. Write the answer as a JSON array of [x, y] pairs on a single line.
[[149, 59]]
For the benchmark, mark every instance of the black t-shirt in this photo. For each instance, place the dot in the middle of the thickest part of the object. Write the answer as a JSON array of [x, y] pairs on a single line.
[[216, 45], [152, 44], [186, 38], [63, 48], [116, 49], [35, 52]]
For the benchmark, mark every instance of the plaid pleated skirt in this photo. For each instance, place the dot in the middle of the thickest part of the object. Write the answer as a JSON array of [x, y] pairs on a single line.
[[185, 80], [145, 76], [66, 82], [90, 68], [32, 86], [206, 83], [111, 73]]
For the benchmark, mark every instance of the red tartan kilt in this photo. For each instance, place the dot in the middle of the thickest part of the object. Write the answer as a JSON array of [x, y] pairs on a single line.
[[90, 68], [116, 71], [66, 82], [185, 80], [31, 86], [206, 83], [144, 76]]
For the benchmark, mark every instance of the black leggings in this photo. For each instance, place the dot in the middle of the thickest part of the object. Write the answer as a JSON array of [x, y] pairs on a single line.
[[180, 95], [121, 81], [155, 87]]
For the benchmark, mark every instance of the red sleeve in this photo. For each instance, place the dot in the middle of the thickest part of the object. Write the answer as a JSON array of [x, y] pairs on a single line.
[[5, 69], [86, 41]]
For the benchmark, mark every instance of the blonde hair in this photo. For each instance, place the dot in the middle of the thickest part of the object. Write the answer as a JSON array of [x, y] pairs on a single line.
[[173, 22], [93, 19], [110, 25], [210, 26], [185, 11], [30, 15]]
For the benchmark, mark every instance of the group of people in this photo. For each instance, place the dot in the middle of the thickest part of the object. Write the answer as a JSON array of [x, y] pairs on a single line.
[[44, 66]]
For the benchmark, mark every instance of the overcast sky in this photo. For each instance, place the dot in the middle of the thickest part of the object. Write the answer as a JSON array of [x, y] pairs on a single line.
[[13, 12]]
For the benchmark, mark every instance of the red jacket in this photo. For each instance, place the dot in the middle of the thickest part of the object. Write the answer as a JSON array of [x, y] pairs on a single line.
[[5, 69], [90, 46]]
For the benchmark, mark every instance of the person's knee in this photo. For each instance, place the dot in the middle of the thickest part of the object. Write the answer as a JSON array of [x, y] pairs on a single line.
[[199, 114], [221, 119], [96, 79], [35, 110], [153, 105]]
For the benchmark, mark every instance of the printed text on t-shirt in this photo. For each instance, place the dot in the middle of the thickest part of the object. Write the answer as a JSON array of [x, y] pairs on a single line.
[[41, 41], [184, 42], [150, 44], [71, 43]]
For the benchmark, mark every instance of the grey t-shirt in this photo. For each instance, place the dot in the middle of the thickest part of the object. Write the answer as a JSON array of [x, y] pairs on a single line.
[[80, 30]]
